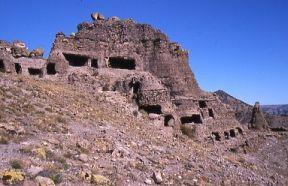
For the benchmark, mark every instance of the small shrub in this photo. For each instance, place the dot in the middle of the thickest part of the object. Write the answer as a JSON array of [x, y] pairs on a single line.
[[63, 162], [41, 153], [188, 131], [53, 174], [17, 164], [26, 150], [52, 156], [61, 119], [12, 177], [4, 140], [49, 154]]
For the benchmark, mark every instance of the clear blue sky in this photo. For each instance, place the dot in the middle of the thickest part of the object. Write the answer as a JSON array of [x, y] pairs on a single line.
[[240, 46]]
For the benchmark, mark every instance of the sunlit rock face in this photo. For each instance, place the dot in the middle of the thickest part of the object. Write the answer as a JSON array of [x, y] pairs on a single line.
[[258, 120]]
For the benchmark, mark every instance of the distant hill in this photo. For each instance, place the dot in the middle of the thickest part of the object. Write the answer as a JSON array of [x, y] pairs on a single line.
[[243, 111], [279, 110], [276, 115]]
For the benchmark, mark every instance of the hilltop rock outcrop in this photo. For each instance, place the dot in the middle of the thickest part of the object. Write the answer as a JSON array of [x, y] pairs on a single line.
[[258, 120]]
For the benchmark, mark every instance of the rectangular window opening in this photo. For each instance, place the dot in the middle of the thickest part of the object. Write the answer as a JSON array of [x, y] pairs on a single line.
[[51, 68], [18, 68], [232, 133], [122, 63], [34, 71], [211, 113], [2, 66], [76, 60], [156, 109], [94, 63], [202, 104], [195, 118]]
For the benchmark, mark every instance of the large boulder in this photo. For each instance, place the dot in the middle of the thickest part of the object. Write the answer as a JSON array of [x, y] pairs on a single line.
[[97, 16], [38, 52], [43, 181], [19, 49]]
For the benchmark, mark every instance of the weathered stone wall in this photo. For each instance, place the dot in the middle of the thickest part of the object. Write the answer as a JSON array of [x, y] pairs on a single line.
[[16, 58]]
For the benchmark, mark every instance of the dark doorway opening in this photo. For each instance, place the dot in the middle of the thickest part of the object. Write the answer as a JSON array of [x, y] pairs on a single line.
[[226, 135], [136, 87], [122, 63], [35, 71], [232, 133], [211, 113], [18, 68], [169, 120], [51, 68], [76, 60], [156, 109], [240, 130], [195, 118], [94, 63], [2, 66], [217, 136], [202, 104]]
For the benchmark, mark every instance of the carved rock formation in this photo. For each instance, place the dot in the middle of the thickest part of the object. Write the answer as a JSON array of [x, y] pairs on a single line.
[[142, 63], [258, 120], [16, 58]]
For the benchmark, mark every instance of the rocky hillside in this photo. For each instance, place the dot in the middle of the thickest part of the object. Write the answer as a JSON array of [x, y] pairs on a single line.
[[276, 115], [243, 111], [59, 133]]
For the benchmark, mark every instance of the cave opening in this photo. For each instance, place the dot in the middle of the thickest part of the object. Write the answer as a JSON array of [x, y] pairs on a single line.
[[240, 130], [202, 104], [195, 118], [216, 136], [76, 60], [211, 113], [135, 87], [156, 109], [18, 68], [122, 63], [2, 66], [226, 135], [232, 133], [94, 63], [51, 68], [35, 71], [169, 120]]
